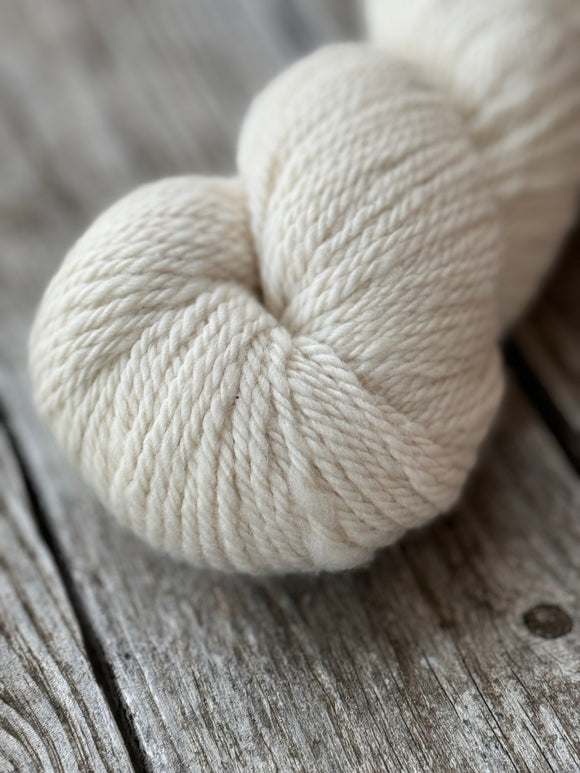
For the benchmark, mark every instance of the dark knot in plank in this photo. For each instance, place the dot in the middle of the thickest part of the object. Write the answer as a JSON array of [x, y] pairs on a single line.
[[548, 621]]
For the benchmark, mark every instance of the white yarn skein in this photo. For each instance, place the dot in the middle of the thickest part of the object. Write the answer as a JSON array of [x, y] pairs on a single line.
[[288, 370], [512, 68]]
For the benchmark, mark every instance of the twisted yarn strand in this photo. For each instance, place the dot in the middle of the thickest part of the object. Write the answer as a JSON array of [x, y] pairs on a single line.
[[287, 370]]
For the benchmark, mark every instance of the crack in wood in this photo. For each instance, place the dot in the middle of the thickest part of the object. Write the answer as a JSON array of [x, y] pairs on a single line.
[[531, 384], [90, 640]]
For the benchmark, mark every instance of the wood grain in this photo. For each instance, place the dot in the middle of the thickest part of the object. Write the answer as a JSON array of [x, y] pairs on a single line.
[[421, 662], [434, 658], [53, 716]]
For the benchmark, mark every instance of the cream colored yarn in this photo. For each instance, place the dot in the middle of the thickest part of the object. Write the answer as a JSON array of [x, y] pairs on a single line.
[[289, 369]]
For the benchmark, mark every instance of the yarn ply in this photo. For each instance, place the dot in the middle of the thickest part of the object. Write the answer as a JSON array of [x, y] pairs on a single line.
[[287, 370]]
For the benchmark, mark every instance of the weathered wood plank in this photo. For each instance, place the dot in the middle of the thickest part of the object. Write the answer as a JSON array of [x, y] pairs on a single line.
[[53, 716], [422, 661]]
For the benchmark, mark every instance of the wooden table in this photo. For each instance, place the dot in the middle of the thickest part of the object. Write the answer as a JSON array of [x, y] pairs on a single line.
[[458, 649]]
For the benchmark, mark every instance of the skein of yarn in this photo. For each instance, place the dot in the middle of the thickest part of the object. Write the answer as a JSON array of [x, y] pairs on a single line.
[[287, 370]]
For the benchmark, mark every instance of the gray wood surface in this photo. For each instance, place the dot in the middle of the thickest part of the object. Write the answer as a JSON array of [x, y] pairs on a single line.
[[53, 716], [458, 649]]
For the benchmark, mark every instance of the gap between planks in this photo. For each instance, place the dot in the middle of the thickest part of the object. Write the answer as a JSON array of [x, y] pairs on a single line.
[[95, 655]]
